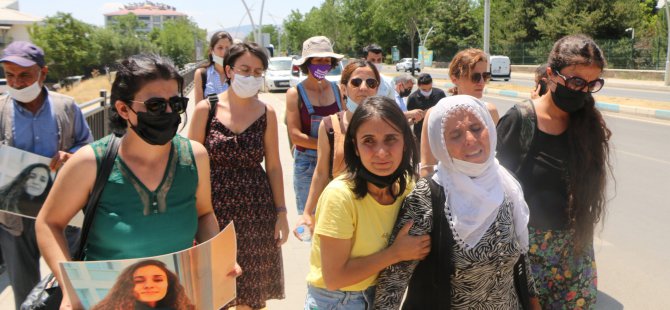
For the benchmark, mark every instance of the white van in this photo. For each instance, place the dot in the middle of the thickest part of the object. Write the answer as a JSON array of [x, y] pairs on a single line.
[[500, 67]]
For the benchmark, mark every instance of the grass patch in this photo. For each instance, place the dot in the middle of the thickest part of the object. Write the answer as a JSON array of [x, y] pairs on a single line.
[[88, 89]]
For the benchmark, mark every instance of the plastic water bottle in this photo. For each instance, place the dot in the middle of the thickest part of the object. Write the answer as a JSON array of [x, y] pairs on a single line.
[[304, 233]]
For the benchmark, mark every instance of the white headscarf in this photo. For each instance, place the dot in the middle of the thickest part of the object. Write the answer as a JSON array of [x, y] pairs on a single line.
[[474, 192]]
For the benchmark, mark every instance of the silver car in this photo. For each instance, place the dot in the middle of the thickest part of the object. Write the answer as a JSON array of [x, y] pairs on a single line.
[[405, 64], [278, 74]]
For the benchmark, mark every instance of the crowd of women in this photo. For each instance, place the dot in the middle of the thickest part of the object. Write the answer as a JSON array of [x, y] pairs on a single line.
[[485, 216]]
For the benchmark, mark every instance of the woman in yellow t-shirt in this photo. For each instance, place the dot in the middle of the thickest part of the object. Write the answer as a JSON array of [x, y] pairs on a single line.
[[356, 212]]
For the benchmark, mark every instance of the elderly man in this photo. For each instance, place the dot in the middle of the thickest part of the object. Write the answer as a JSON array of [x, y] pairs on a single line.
[[373, 53], [36, 120], [403, 85]]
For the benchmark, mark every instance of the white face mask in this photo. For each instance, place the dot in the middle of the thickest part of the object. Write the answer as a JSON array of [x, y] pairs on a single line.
[[427, 93], [379, 67], [470, 169], [26, 94], [217, 60], [246, 86]]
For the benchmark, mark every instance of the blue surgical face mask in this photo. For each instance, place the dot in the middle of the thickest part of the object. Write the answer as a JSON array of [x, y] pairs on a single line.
[[351, 105]]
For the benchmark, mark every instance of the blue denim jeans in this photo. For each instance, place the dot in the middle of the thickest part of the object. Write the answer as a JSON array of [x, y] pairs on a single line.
[[303, 169], [323, 299]]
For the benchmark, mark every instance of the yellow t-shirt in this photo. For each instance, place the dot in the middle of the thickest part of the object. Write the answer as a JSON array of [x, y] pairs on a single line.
[[338, 215]]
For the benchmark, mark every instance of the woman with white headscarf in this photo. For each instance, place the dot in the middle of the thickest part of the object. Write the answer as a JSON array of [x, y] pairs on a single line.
[[477, 219]]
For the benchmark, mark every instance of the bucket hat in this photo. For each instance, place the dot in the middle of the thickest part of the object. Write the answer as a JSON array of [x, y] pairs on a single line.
[[317, 47]]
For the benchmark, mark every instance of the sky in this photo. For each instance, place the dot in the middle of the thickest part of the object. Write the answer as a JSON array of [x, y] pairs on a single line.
[[208, 14]]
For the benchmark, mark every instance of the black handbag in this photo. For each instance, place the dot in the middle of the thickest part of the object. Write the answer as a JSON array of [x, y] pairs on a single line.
[[46, 295]]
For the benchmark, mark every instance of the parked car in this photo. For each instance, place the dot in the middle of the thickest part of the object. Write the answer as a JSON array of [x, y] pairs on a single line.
[[297, 76], [405, 64], [278, 74], [500, 67]]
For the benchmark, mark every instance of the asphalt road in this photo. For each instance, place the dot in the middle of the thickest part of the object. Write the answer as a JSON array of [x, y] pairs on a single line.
[[632, 250]]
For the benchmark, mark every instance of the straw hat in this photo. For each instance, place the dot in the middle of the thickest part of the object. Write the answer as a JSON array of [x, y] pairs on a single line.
[[317, 47]]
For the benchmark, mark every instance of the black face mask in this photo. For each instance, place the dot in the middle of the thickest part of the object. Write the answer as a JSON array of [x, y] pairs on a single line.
[[380, 181], [567, 99], [405, 92], [156, 129]]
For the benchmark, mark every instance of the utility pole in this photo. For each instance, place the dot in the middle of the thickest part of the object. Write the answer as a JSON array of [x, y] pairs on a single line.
[[487, 25]]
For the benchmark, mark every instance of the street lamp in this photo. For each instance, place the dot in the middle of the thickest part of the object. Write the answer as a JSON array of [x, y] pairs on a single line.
[[660, 4]]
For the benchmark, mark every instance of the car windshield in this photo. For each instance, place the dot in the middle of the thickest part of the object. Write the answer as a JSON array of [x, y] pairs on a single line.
[[277, 65]]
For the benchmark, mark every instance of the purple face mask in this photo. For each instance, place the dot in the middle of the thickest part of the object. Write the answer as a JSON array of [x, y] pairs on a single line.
[[319, 71]]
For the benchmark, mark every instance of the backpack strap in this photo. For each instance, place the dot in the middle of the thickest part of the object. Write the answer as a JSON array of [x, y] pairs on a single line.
[[330, 133], [213, 101], [203, 78], [528, 128], [442, 245]]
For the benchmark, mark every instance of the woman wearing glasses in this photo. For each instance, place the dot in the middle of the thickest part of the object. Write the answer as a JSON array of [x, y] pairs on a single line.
[[242, 134], [306, 104], [157, 198], [469, 72], [558, 148], [359, 81]]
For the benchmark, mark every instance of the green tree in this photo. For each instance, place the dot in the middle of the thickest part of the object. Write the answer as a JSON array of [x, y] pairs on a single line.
[[67, 45], [177, 40], [456, 27]]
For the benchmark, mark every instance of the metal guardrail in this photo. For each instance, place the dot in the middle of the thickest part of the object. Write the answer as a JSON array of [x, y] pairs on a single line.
[[96, 111]]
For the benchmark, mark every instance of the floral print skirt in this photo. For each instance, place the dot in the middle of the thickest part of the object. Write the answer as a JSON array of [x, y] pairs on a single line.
[[564, 280]]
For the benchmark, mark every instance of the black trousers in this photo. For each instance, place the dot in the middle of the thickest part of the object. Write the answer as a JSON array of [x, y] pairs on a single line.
[[22, 258]]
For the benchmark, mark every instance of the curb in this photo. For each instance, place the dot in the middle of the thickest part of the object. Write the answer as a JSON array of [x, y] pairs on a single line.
[[603, 106]]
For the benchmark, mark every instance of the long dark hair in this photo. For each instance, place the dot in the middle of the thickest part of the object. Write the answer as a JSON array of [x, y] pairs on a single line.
[[589, 136], [121, 295], [387, 110], [132, 74], [12, 192]]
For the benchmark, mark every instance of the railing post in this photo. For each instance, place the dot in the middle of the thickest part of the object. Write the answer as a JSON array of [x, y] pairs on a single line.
[[105, 111]]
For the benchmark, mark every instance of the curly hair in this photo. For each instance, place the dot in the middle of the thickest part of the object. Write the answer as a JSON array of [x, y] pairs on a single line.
[[464, 62], [12, 193], [121, 295], [387, 110], [589, 161]]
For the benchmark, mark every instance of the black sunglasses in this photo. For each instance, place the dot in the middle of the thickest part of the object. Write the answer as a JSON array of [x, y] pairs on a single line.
[[577, 83], [158, 105], [372, 83], [476, 77]]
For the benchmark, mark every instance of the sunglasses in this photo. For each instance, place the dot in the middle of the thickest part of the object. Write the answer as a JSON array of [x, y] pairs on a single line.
[[372, 83], [158, 105], [476, 77], [577, 83]]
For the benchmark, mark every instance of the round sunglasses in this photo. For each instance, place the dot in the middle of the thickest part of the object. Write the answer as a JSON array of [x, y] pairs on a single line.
[[577, 83], [357, 82], [158, 105]]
